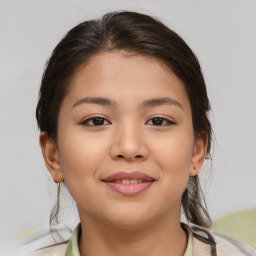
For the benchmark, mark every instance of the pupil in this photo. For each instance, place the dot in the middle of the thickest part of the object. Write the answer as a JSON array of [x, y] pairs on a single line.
[[98, 121], [158, 121]]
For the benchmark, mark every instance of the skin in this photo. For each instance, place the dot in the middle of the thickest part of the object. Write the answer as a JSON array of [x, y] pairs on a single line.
[[127, 139]]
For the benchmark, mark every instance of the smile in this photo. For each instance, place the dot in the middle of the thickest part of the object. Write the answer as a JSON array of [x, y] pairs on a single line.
[[129, 183], [125, 181]]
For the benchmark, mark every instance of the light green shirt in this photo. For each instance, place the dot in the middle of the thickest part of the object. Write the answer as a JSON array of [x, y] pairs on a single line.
[[73, 248]]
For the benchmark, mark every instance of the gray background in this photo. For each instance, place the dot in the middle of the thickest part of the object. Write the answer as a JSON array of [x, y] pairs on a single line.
[[221, 33]]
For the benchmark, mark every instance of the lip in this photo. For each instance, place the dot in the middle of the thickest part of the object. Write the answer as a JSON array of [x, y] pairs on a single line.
[[129, 176], [129, 189]]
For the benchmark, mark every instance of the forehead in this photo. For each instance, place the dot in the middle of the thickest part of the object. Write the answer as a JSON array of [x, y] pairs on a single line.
[[126, 76]]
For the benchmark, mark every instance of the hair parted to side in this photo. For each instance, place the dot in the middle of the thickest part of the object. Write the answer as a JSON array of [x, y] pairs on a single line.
[[138, 34]]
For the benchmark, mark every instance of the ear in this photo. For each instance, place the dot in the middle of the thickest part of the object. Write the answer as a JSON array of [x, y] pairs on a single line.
[[51, 157], [199, 152]]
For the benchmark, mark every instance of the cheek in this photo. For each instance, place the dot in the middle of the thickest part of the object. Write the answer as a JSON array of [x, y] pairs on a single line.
[[174, 156], [175, 151], [80, 155]]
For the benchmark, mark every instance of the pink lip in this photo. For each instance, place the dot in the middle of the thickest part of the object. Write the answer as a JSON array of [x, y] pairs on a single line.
[[129, 189], [128, 176]]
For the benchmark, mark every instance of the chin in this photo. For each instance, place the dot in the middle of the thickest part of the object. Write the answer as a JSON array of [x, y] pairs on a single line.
[[128, 223], [129, 219]]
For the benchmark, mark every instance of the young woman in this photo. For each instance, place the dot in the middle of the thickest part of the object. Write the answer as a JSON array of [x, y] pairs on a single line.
[[123, 114]]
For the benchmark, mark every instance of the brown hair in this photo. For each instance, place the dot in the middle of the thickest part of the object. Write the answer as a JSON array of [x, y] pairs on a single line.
[[143, 35]]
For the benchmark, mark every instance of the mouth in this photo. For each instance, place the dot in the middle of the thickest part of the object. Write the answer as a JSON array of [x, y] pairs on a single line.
[[136, 177], [129, 183]]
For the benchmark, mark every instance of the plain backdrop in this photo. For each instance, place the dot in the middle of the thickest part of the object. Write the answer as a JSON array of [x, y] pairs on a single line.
[[221, 33]]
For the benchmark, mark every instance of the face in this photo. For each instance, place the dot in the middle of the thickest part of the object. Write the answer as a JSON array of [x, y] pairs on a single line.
[[128, 132]]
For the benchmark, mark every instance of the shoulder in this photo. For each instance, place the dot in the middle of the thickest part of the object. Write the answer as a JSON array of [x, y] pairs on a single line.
[[54, 250], [45, 242], [225, 245]]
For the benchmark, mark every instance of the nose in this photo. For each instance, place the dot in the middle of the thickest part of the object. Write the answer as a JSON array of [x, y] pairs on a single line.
[[129, 143]]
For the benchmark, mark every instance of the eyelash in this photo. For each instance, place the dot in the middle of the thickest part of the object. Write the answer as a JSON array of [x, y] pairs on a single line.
[[85, 122]]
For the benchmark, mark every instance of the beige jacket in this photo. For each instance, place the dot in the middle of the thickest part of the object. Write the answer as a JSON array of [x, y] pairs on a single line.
[[225, 246]]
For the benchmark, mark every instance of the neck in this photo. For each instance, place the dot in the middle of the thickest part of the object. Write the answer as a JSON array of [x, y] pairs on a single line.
[[163, 238]]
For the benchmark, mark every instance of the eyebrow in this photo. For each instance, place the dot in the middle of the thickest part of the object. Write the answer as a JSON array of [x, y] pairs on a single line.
[[112, 103]]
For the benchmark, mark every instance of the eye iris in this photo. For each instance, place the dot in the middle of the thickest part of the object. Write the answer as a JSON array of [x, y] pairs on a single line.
[[158, 120], [98, 121]]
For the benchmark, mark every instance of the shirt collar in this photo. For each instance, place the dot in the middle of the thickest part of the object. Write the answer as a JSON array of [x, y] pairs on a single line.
[[190, 243], [73, 248]]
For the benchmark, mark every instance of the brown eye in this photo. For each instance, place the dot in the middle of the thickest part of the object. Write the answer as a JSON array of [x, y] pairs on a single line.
[[94, 121], [158, 121]]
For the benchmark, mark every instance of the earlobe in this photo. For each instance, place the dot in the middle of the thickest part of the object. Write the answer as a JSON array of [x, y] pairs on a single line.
[[199, 152], [51, 156]]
